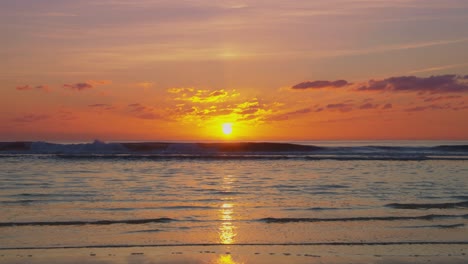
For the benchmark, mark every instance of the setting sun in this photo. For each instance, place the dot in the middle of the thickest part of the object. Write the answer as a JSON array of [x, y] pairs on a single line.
[[227, 128]]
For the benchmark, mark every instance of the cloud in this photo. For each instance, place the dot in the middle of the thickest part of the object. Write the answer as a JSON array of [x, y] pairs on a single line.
[[428, 107], [320, 84], [23, 88], [41, 87], [288, 115], [99, 82], [441, 98], [66, 115], [342, 107], [449, 83], [387, 106], [145, 85], [79, 86], [202, 96], [30, 118], [144, 112], [102, 106], [368, 106]]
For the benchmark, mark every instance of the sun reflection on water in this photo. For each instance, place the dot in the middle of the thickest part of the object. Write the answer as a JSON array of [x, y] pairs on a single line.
[[227, 231], [226, 259]]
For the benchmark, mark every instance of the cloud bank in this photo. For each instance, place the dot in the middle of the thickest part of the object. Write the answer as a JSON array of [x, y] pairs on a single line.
[[449, 83]]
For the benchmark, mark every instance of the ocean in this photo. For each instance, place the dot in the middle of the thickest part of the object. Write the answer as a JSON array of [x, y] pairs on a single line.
[[120, 195]]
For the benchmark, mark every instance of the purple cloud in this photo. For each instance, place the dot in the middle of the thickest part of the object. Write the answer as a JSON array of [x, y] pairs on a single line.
[[143, 112], [449, 83], [342, 107], [78, 86], [101, 106], [300, 111], [387, 106], [320, 84], [427, 107], [440, 98], [368, 106]]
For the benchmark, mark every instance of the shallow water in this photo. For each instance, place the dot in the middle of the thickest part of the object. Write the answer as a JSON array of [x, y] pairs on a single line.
[[80, 201]]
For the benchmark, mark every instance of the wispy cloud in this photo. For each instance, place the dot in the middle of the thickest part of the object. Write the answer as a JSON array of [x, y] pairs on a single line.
[[320, 84], [438, 68], [41, 87], [82, 86], [30, 118], [144, 112], [101, 106], [289, 115], [342, 107], [202, 96], [78, 86], [145, 85]]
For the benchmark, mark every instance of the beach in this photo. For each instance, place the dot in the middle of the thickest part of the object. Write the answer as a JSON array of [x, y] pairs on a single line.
[[381, 254]]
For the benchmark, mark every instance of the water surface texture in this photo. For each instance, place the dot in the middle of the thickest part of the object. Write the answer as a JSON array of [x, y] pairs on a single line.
[[378, 193]]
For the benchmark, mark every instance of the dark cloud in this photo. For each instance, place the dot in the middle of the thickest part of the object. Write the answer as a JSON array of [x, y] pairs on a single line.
[[427, 107], [29, 87], [320, 84], [300, 111], [434, 84], [30, 118], [441, 98], [368, 106], [101, 106], [342, 107], [387, 106], [79, 86]]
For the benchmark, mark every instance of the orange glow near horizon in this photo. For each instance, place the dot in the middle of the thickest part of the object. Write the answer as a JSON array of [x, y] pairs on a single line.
[[136, 79]]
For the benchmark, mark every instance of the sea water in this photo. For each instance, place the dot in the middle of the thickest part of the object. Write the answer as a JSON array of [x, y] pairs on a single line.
[[148, 194]]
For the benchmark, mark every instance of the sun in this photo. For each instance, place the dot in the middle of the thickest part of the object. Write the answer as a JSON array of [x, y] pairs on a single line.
[[227, 128]]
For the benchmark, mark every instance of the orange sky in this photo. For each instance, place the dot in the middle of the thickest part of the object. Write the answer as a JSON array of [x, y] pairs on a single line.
[[276, 70]]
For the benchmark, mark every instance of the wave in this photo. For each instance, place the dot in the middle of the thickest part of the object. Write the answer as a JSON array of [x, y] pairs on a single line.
[[233, 150], [438, 226], [430, 217], [428, 205], [99, 222], [290, 244], [267, 220]]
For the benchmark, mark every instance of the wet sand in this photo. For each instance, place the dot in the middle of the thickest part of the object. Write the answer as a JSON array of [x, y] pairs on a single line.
[[224, 254]]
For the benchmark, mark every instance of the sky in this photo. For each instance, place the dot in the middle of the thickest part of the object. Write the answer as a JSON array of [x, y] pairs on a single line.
[[124, 70]]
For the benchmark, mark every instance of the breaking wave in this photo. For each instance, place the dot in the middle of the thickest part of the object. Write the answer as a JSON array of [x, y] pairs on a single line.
[[428, 205], [233, 150]]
